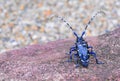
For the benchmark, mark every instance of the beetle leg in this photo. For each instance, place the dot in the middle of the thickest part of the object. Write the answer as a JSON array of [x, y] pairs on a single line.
[[90, 47], [70, 53], [76, 60], [94, 55]]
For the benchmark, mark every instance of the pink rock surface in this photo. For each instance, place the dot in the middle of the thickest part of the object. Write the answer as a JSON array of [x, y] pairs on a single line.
[[47, 62]]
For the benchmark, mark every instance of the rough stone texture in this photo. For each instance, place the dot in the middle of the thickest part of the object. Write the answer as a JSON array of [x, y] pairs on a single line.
[[47, 62]]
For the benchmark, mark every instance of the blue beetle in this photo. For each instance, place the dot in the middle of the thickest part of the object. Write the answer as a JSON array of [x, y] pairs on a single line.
[[81, 48]]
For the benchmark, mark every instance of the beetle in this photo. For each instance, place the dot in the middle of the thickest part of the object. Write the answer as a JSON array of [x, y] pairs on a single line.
[[81, 48]]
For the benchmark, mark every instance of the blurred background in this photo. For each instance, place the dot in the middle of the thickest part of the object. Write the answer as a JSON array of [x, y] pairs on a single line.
[[26, 22]]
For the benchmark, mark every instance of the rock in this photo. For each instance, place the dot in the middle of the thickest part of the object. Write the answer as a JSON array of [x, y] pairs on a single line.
[[47, 62]]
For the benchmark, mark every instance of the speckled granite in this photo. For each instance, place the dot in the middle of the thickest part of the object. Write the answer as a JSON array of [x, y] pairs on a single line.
[[47, 62]]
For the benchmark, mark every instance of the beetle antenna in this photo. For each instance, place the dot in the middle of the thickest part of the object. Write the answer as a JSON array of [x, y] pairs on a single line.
[[62, 19], [89, 22]]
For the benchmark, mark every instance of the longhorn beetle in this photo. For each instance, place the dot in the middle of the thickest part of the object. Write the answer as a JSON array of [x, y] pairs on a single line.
[[81, 47]]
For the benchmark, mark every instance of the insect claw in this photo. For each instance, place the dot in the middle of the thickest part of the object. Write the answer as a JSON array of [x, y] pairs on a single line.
[[77, 65], [67, 53], [98, 62], [69, 60]]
